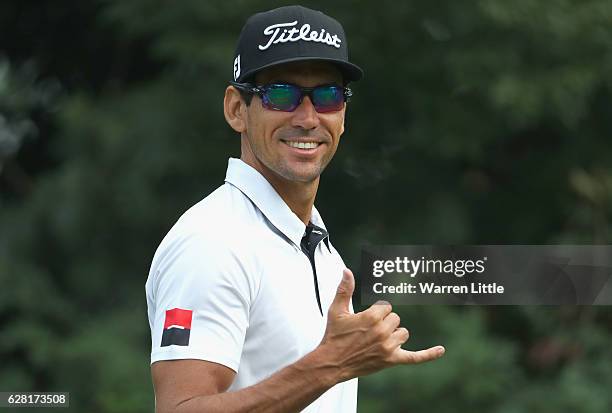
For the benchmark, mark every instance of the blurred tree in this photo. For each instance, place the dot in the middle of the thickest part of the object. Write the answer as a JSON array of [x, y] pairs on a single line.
[[482, 122]]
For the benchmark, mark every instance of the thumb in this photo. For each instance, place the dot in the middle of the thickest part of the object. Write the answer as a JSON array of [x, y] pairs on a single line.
[[343, 293]]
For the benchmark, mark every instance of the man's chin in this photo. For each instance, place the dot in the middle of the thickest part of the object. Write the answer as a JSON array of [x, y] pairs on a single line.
[[302, 175]]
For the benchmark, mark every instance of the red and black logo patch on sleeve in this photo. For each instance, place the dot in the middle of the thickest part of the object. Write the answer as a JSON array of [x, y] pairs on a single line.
[[177, 327]]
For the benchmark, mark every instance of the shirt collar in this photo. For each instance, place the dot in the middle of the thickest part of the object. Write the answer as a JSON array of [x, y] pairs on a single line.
[[257, 188]]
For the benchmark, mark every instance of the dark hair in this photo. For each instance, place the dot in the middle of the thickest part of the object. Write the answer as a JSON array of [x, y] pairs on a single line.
[[246, 96]]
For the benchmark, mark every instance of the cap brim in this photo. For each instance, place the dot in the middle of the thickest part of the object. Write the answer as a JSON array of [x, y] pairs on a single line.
[[350, 71]]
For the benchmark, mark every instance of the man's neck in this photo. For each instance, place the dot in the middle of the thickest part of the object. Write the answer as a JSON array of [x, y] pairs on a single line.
[[299, 196]]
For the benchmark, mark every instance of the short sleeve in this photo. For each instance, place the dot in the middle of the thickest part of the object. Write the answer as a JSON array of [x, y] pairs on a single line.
[[198, 297]]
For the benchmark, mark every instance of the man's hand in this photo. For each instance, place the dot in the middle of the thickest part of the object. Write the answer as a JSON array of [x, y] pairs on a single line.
[[363, 343], [353, 345]]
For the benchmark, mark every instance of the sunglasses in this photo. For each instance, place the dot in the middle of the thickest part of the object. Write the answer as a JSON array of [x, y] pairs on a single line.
[[287, 97]]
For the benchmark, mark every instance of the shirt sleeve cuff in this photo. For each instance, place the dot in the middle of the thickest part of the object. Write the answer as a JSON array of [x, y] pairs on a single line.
[[171, 353]]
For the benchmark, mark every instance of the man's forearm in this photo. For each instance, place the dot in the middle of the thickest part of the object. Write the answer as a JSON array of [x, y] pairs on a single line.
[[288, 390]]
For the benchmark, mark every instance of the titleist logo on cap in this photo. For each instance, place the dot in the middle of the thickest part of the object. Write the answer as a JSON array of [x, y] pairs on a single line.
[[293, 35]]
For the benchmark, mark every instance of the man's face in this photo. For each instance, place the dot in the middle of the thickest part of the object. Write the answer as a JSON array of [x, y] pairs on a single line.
[[269, 135]]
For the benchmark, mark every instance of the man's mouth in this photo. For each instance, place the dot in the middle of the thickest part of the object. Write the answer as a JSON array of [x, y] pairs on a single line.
[[302, 145]]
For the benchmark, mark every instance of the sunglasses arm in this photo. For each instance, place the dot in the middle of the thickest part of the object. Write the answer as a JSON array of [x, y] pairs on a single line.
[[348, 93], [247, 87]]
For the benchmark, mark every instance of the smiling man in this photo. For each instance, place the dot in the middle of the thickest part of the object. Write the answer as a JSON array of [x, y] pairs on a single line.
[[249, 303]]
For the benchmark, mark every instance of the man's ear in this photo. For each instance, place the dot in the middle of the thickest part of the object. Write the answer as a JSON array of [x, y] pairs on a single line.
[[234, 109]]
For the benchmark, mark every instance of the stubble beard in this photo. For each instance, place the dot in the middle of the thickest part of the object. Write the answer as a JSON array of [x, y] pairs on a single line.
[[302, 172]]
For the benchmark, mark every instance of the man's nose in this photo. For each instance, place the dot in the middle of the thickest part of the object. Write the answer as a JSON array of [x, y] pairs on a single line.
[[305, 115]]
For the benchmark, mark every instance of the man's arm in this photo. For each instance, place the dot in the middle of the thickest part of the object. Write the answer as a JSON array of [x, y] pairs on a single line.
[[353, 345], [199, 386]]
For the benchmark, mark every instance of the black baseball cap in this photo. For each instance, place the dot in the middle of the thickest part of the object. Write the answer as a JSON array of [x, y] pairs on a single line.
[[291, 34]]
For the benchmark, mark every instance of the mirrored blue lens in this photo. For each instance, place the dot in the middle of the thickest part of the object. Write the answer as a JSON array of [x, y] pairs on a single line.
[[328, 98], [282, 97], [287, 97]]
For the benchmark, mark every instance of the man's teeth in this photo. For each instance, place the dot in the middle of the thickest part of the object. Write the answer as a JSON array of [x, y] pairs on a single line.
[[302, 145]]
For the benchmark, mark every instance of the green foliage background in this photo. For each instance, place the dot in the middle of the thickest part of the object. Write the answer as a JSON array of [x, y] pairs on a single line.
[[482, 122]]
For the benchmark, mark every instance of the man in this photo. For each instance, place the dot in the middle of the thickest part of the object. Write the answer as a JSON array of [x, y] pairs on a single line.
[[249, 303]]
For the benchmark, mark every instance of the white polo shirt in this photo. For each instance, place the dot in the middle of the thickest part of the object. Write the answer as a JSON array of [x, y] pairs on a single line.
[[230, 284]]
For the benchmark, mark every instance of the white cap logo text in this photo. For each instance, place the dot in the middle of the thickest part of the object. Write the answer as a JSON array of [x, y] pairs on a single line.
[[294, 35], [236, 67]]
